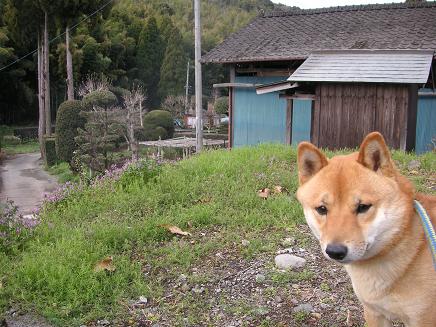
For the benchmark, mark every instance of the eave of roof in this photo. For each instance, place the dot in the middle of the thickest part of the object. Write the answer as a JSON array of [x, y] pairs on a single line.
[[366, 66]]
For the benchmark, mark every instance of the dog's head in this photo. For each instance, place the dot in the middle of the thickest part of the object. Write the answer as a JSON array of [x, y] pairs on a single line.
[[354, 204]]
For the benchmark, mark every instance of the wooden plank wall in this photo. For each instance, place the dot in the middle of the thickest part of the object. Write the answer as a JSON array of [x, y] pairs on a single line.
[[345, 113]]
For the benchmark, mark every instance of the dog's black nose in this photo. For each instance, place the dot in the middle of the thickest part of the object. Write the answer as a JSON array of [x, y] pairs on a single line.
[[336, 251]]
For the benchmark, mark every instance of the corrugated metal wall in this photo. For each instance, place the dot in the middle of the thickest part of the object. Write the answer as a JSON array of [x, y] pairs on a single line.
[[258, 118], [426, 121]]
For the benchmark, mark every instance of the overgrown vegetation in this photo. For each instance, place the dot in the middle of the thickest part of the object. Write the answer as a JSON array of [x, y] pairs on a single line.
[[213, 196]]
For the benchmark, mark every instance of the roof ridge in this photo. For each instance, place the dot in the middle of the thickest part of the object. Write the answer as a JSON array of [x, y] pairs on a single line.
[[367, 7]]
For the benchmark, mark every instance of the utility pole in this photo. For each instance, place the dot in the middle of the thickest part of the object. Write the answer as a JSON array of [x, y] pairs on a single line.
[[187, 88], [198, 88]]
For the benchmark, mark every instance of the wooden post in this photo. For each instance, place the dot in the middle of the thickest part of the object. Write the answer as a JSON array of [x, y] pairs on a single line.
[[198, 81], [231, 107], [41, 118], [70, 78], [47, 78], [187, 89]]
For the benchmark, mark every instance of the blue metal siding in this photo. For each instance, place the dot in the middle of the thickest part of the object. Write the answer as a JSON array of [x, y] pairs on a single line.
[[426, 122], [258, 118], [301, 120]]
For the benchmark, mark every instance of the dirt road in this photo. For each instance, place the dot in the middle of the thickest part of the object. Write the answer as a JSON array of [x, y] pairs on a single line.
[[24, 181]]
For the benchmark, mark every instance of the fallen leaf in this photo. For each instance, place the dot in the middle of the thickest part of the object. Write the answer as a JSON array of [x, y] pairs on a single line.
[[105, 265], [278, 189], [413, 172], [175, 230], [264, 193]]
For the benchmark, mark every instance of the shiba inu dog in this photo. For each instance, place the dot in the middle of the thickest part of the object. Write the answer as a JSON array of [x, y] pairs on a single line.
[[361, 210]]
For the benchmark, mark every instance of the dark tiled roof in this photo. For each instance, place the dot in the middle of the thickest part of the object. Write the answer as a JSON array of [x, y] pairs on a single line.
[[295, 34]]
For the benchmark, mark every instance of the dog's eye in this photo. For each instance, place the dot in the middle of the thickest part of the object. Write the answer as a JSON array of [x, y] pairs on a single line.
[[322, 210], [362, 208]]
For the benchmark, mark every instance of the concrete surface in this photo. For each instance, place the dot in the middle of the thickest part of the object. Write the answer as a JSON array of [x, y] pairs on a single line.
[[24, 181]]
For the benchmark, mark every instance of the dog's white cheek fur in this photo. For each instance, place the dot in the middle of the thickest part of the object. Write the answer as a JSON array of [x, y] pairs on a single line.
[[311, 221], [386, 224]]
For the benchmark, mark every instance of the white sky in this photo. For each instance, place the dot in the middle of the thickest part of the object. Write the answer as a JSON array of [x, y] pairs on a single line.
[[305, 4]]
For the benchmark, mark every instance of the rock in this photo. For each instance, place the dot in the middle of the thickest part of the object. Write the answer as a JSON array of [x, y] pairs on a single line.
[[278, 299], [287, 250], [289, 261], [260, 278], [245, 242], [305, 307], [143, 300], [414, 164], [103, 322]]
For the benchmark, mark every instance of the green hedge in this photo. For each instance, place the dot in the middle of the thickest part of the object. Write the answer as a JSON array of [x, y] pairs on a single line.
[[102, 99], [68, 119], [50, 150], [158, 124]]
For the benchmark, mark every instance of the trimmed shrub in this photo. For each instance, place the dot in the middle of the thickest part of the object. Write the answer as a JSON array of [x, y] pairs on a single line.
[[158, 124], [68, 119], [101, 99], [119, 92], [50, 150], [222, 105]]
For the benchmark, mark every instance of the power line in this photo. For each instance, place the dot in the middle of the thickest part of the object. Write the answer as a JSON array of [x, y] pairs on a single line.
[[57, 37]]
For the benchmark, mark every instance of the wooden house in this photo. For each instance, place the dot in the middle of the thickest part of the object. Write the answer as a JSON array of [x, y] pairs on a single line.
[[332, 75]]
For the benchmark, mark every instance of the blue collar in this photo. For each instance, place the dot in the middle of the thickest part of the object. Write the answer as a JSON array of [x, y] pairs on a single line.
[[428, 228]]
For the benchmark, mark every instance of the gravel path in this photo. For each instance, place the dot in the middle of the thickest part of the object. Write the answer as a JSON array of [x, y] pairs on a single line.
[[24, 181]]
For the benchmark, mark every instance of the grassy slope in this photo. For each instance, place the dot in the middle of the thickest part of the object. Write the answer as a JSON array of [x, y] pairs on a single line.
[[217, 190]]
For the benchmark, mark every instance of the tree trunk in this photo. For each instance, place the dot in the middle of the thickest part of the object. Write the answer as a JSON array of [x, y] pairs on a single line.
[[140, 115], [47, 78], [70, 78], [131, 133], [41, 125]]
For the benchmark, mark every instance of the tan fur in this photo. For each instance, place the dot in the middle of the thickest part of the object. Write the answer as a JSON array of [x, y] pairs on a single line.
[[388, 258]]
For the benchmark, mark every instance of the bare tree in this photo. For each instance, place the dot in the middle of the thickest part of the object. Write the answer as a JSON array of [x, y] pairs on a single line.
[[133, 109], [175, 104], [94, 82]]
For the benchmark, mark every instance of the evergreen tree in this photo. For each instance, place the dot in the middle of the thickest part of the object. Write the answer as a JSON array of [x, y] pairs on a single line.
[[173, 69], [98, 139], [149, 60]]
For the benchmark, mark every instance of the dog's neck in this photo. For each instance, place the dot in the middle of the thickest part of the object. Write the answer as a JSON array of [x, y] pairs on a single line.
[[381, 272]]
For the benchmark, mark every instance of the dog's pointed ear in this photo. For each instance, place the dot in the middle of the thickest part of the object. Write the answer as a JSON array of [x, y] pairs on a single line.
[[310, 161], [374, 154]]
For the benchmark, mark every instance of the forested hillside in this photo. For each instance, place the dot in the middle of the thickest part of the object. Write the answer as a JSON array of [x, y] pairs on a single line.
[[142, 41]]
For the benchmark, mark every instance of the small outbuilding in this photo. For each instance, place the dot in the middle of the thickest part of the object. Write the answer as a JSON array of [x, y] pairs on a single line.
[[330, 76]]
